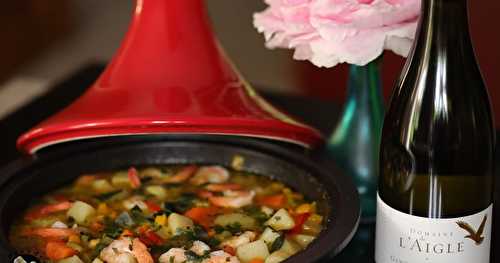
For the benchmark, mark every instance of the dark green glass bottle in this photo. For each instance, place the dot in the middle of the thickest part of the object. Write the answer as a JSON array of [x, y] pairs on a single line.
[[436, 158]]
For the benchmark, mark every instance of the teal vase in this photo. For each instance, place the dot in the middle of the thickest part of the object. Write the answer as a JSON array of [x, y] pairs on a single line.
[[354, 144]]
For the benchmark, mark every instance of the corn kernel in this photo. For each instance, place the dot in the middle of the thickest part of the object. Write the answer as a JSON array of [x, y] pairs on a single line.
[[161, 220], [93, 243], [238, 162]]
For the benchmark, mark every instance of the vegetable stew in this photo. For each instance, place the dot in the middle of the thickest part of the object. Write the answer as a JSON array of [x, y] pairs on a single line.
[[168, 214]]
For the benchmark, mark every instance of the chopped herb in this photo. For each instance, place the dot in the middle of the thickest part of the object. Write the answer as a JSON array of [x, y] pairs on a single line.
[[257, 214], [213, 242], [106, 196], [138, 216], [193, 257], [183, 203], [234, 228], [160, 249], [278, 243], [111, 228]]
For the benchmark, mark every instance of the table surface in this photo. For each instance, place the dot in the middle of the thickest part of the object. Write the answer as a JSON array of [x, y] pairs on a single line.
[[323, 115]]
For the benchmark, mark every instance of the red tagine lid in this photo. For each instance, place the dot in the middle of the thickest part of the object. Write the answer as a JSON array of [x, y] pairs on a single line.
[[169, 77]]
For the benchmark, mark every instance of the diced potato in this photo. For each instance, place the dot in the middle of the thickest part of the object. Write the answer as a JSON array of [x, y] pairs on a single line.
[[73, 259], [303, 240], [268, 236], [290, 247], [178, 223], [120, 180], [267, 210], [97, 261], [277, 256], [158, 191], [81, 212], [281, 220], [254, 250], [245, 221], [102, 186]]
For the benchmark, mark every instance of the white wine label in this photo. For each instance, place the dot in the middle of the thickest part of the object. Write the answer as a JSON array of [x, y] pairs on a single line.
[[403, 238]]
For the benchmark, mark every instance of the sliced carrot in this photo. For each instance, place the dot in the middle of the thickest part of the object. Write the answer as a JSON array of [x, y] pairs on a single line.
[[256, 260], [51, 233], [273, 201], [203, 216], [230, 250], [222, 187], [44, 210], [59, 250], [133, 177]]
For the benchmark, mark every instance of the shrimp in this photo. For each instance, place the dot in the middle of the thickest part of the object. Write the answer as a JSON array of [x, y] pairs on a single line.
[[235, 242], [173, 255], [181, 176], [210, 174], [126, 250], [233, 199], [220, 256], [178, 255]]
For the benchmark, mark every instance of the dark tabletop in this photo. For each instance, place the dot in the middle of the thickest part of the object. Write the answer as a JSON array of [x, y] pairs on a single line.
[[323, 116]]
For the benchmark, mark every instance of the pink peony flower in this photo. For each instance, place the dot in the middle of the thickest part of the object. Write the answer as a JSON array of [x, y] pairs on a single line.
[[328, 32]]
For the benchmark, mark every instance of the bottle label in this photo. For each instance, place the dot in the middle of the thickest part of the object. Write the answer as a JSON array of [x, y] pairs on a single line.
[[403, 238]]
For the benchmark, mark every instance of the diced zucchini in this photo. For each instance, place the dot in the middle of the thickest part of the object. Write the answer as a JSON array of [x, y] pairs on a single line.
[[120, 180], [178, 223], [277, 256], [81, 212], [73, 259], [268, 236], [281, 220], [254, 250], [102, 186], [158, 191], [290, 247], [245, 221], [303, 240]]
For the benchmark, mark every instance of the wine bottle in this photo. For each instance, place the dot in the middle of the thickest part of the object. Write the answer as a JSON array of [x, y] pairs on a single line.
[[436, 159]]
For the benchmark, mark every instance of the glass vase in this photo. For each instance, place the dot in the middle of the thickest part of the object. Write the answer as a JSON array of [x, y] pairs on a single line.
[[354, 144]]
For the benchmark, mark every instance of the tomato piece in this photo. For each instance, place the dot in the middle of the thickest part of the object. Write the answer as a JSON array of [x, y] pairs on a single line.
[[44, 210], [299, 219], [133, 177], [152, 206], [274, 201], [149, 237], [203, 216], [256, 260], [59, 250]]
